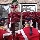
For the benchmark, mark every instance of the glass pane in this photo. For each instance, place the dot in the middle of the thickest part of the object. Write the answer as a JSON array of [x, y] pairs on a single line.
[[30, 8]]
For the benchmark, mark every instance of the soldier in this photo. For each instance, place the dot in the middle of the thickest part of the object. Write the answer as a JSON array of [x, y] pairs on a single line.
[[4, 31], [8, 34], [28, 32]]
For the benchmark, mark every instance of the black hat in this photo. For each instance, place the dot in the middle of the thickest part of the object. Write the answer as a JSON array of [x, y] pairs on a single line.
[[2, 21], [28, 18]]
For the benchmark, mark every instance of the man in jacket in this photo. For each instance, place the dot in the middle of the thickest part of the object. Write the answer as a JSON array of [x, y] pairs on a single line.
[[28, 32]]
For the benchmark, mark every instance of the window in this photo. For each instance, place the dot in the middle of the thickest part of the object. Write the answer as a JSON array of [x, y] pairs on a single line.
[[28, 7], [4, 10]]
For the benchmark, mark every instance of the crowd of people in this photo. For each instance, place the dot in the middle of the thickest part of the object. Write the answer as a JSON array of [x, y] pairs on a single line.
[[26, 33]]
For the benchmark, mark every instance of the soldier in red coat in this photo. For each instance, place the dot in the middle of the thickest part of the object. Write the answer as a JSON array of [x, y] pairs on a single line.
[[1, 33], [27, 33], [4, 32], [8, 34]]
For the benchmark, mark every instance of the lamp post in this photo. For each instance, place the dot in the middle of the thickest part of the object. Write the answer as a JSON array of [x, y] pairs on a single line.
[[21, 21]]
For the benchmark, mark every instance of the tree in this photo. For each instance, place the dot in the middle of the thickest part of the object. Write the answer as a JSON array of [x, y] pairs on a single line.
[[14, 1]]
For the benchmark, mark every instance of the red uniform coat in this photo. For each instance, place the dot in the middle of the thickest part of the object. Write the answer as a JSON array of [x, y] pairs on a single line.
[[3, 32], [34, 36], [10, 37]]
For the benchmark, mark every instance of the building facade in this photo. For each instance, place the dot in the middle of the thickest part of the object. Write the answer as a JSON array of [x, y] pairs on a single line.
[[23, 1]]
